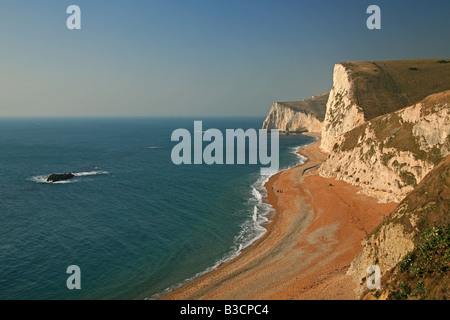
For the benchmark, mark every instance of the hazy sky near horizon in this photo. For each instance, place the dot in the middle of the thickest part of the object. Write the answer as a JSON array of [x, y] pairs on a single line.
[[197, 57]]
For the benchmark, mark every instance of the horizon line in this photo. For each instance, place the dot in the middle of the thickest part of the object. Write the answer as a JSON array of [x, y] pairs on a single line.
[[133, 117]]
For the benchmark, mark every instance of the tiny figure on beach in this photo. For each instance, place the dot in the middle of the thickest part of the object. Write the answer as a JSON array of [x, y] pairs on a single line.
[[331, 185]]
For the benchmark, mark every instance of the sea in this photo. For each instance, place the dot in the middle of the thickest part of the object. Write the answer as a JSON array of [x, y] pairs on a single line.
[[136, 225]]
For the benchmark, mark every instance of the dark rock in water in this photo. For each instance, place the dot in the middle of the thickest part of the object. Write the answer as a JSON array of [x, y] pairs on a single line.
[[60, 177]]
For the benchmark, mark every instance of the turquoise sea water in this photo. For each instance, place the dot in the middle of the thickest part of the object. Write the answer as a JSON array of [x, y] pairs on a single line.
[[136, 224]]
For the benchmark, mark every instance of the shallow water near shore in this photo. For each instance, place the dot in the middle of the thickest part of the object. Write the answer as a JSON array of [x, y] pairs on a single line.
[[135, 223]]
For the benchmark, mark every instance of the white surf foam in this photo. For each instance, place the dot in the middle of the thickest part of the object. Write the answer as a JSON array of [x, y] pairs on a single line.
[[89, 173], [301, 159], [39, 179], [256, 193]]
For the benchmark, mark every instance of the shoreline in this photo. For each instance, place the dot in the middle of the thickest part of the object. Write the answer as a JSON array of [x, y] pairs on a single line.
[[308, 244]]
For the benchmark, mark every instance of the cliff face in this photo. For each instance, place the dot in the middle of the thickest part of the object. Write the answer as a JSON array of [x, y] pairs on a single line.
[[363, 91], [343, 114], [389, 155], [306, 115], [425, 208]]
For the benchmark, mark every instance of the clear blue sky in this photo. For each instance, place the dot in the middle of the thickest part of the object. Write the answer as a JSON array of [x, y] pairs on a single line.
[[196, 57]]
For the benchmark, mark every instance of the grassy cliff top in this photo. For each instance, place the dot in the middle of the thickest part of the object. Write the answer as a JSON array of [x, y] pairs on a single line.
[[315, 106], [381, 87]]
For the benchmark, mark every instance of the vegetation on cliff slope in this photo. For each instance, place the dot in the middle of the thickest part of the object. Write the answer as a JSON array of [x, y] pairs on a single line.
[[424, 272]]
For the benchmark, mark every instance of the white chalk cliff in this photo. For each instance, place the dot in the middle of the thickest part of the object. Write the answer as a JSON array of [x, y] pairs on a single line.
[[342, 113], [306, 115], [388, 156]]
